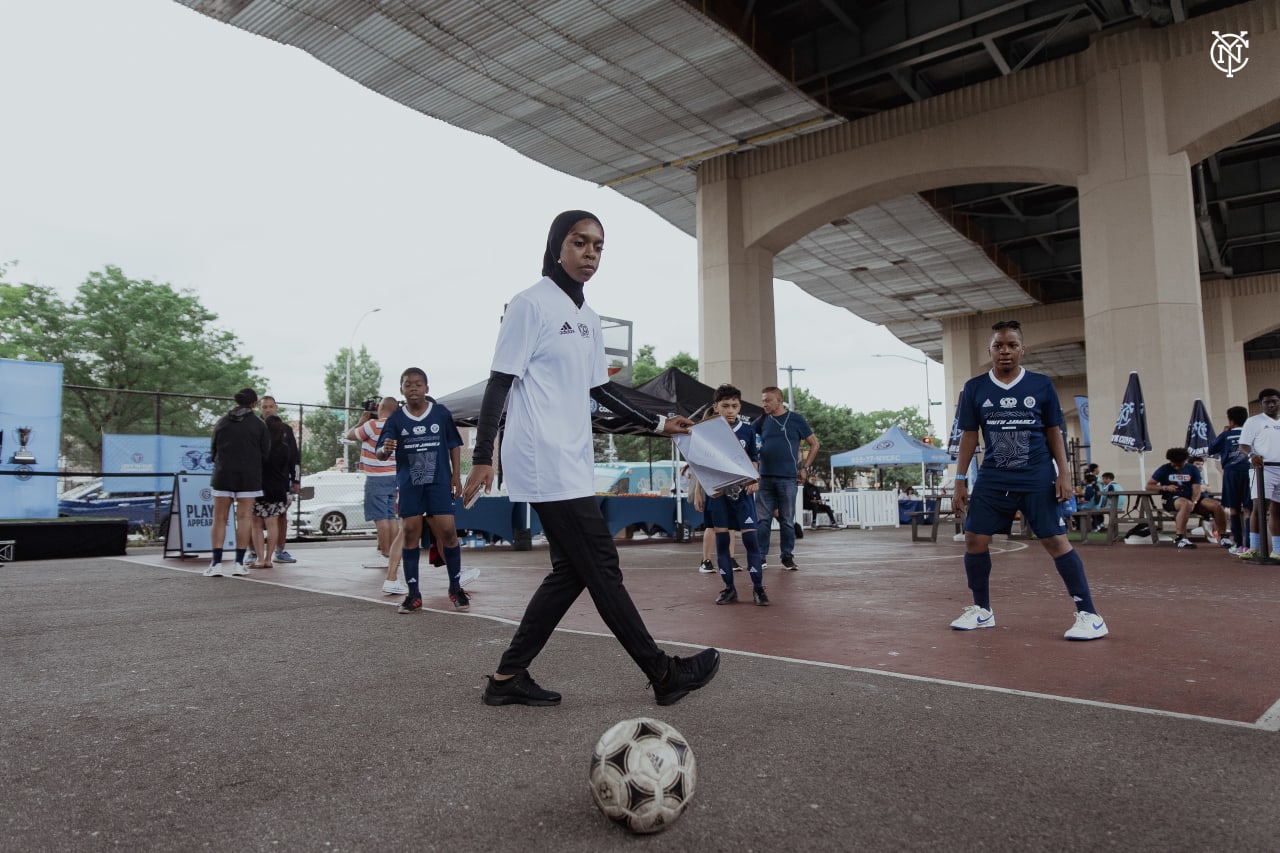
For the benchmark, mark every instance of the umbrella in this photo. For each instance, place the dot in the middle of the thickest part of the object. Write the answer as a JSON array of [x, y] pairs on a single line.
[[1199, 431], [1130, 433], [953, 444]]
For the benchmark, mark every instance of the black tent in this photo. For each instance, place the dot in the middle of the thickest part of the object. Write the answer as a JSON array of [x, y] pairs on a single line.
[[687, 396], [465, 406]]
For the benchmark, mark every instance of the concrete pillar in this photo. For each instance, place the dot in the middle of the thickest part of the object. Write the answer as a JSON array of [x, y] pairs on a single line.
[[1224, 352], [735, 289], [964, 355], [1142, 306]]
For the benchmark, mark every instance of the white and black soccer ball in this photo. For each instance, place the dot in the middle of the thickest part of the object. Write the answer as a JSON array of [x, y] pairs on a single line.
[[643, 774]]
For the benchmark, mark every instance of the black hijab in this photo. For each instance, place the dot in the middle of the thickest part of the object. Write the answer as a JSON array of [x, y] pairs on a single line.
[[551, 268]]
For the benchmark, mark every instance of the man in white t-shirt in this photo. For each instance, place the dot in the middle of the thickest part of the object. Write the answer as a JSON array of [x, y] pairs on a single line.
[[550, 361], [1260, 440]]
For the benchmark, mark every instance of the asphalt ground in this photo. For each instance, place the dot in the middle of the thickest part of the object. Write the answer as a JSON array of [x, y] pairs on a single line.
[[150, 708]]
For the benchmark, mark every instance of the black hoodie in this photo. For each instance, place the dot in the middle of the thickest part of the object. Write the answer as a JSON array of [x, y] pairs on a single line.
[[240, 446]]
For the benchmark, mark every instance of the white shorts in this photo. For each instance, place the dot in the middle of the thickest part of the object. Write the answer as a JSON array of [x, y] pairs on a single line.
[[1271, 483], [219, 493]]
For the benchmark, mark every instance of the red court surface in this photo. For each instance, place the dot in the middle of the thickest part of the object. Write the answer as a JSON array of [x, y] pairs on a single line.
[[1192, 632]]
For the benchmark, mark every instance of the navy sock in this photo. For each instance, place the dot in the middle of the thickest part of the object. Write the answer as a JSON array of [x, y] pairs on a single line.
[[453, 565], [751, 544], [977, 568], [217, 555], [1071, 569], [240, 555], [409, 559], [724, 559], [1237, 528]]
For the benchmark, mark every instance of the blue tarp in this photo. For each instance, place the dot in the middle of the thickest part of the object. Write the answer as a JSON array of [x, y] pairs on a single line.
[[894, 447]]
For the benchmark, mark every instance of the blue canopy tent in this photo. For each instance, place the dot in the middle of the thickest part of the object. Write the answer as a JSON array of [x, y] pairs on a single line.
[[893, 447]]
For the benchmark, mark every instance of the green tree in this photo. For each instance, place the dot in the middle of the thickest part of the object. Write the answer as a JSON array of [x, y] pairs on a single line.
[[321, 441], [118, 335]]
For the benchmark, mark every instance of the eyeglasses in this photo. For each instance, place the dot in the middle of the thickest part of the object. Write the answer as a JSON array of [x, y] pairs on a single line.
[[1007, 324]]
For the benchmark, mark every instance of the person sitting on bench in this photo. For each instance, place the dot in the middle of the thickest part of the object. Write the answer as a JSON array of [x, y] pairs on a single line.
[[1179, 485], [813, 501]]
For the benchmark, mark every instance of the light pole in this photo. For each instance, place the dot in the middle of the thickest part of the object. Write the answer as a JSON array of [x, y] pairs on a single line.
[[346, 397], [928, 398], [791, 384]]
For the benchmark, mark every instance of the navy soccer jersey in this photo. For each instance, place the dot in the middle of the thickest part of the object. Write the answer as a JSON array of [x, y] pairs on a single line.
[[1227, 448], [1184, 478], [1013, 419], [422, 445], [746, 435], [780, 443]]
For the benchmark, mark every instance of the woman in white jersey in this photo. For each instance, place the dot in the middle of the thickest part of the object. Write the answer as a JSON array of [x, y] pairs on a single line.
[[548, 366]]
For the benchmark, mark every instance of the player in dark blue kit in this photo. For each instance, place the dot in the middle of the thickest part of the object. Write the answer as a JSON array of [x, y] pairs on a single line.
[[427, 447], [738, 511], [1021, 423], [1236, 499], [1181, 487]]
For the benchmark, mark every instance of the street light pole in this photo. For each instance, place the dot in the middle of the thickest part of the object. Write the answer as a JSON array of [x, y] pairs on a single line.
[[346, 397], [791, 384], [928, 397]]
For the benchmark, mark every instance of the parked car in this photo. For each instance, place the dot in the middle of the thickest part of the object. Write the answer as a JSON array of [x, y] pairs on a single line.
[[331, 503], [138, 508]]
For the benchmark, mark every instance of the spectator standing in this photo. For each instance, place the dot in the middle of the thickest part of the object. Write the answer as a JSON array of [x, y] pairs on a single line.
[[1024, 469], [271, 505], [271, 407], [1260, 438], [379, 485], [550, 361], [1236, 498], [780, 432], [239, 448]]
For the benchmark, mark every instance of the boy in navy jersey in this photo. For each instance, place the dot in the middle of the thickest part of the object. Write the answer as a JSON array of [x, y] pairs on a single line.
[[1181, 487], [1236, 499], [427, 448], [1021, 422], [734, 512]]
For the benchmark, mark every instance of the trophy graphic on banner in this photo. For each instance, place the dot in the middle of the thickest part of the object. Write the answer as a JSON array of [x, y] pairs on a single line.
[[23, 456]]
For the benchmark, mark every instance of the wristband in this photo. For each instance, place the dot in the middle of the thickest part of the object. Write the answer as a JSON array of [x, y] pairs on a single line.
[[662, 422], [962, 478]]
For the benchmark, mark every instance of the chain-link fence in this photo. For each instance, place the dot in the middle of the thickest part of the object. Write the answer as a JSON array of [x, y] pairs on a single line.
[[120, 450]]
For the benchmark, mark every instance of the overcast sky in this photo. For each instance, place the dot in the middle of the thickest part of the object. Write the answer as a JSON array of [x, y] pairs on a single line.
[[291, 200]]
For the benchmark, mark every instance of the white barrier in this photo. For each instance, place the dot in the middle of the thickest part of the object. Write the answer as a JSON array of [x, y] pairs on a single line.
[[864, 509]]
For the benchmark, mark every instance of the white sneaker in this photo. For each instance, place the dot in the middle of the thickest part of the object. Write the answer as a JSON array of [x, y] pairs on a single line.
[[250, 556], [214, 570], [395, 588], [1088, 626], [974, 617], [239, 569]]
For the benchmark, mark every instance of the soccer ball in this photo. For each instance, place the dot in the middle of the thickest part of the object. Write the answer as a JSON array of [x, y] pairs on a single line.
[[642, 774]]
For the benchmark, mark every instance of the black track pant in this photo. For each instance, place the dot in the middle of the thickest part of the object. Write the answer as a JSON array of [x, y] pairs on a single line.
[[583, 556]]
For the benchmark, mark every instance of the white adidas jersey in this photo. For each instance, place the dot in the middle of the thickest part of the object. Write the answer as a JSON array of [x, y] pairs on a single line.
[[555, 351]]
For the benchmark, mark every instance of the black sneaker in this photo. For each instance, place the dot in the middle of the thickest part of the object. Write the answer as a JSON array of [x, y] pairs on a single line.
[[736, 567], [761, 597], [1184, 542], [520, 690], [461, 601], [686, 674], [789, 564], [728, 595], [410, 604], [706, 568]]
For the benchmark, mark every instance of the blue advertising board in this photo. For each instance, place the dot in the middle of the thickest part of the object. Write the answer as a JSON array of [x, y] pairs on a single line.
[[163, 455], [30, 407], [191, 519]]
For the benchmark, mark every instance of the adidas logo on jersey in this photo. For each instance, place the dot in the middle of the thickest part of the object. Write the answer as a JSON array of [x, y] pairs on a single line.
[[566, 329], [404, 431]]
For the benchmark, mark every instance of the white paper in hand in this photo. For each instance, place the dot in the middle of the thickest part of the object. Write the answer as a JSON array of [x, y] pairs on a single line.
[[479, 493], [716, 457]]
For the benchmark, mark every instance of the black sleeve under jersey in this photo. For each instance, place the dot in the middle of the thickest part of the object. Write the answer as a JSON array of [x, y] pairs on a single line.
[[605, 396], [491, 407]]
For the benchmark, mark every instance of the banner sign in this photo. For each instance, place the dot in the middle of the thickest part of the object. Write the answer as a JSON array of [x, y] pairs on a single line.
[[191, 519], [30, 437], [1082, 410], [164, 455]]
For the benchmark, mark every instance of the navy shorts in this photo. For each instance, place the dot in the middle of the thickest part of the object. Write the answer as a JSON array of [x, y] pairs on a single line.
[[991, 511], [433, 499], [728, 513], [379, 498], [1235, 488]]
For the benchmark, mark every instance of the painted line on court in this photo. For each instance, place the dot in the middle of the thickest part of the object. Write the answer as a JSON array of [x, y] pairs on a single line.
[[1269, 721]]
